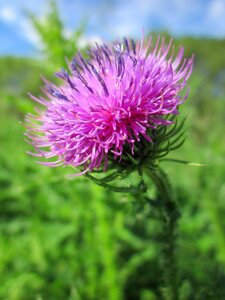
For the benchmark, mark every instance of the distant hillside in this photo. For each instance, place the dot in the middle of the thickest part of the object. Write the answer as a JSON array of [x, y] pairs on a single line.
[[20, 74]]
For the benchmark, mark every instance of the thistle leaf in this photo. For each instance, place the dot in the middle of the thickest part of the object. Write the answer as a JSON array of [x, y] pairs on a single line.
[[185, 162]]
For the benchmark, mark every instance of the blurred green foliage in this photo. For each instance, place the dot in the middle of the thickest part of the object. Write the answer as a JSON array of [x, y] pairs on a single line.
[[58, 44], [70, 239]]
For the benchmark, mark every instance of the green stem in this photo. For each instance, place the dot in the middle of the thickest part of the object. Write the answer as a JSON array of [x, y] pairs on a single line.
[[170, 216]]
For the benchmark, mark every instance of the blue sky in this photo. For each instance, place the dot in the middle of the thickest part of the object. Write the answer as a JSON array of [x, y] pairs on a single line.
[[112, 18]]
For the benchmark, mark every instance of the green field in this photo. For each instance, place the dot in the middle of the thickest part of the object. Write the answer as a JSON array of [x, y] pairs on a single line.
[[70, 239]]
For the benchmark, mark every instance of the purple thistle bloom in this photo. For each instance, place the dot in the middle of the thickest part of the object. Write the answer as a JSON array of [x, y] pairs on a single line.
[[117, 96]]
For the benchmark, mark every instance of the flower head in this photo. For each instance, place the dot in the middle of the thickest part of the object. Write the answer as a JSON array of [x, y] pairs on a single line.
[[108, 103]]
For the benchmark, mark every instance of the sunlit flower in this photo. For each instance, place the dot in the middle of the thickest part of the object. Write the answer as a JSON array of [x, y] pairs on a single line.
[[109, 101]]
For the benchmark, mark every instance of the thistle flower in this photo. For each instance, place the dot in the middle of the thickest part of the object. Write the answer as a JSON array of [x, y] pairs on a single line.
[[108, 103]]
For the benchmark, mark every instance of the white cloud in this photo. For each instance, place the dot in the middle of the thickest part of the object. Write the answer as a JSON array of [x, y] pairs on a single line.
[[122, 18], [217, 9], [8, 14], [85, 41], [29, 33], [177, 16]]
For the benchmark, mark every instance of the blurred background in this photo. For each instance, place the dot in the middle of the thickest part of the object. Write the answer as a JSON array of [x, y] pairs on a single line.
[[70, 239]]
